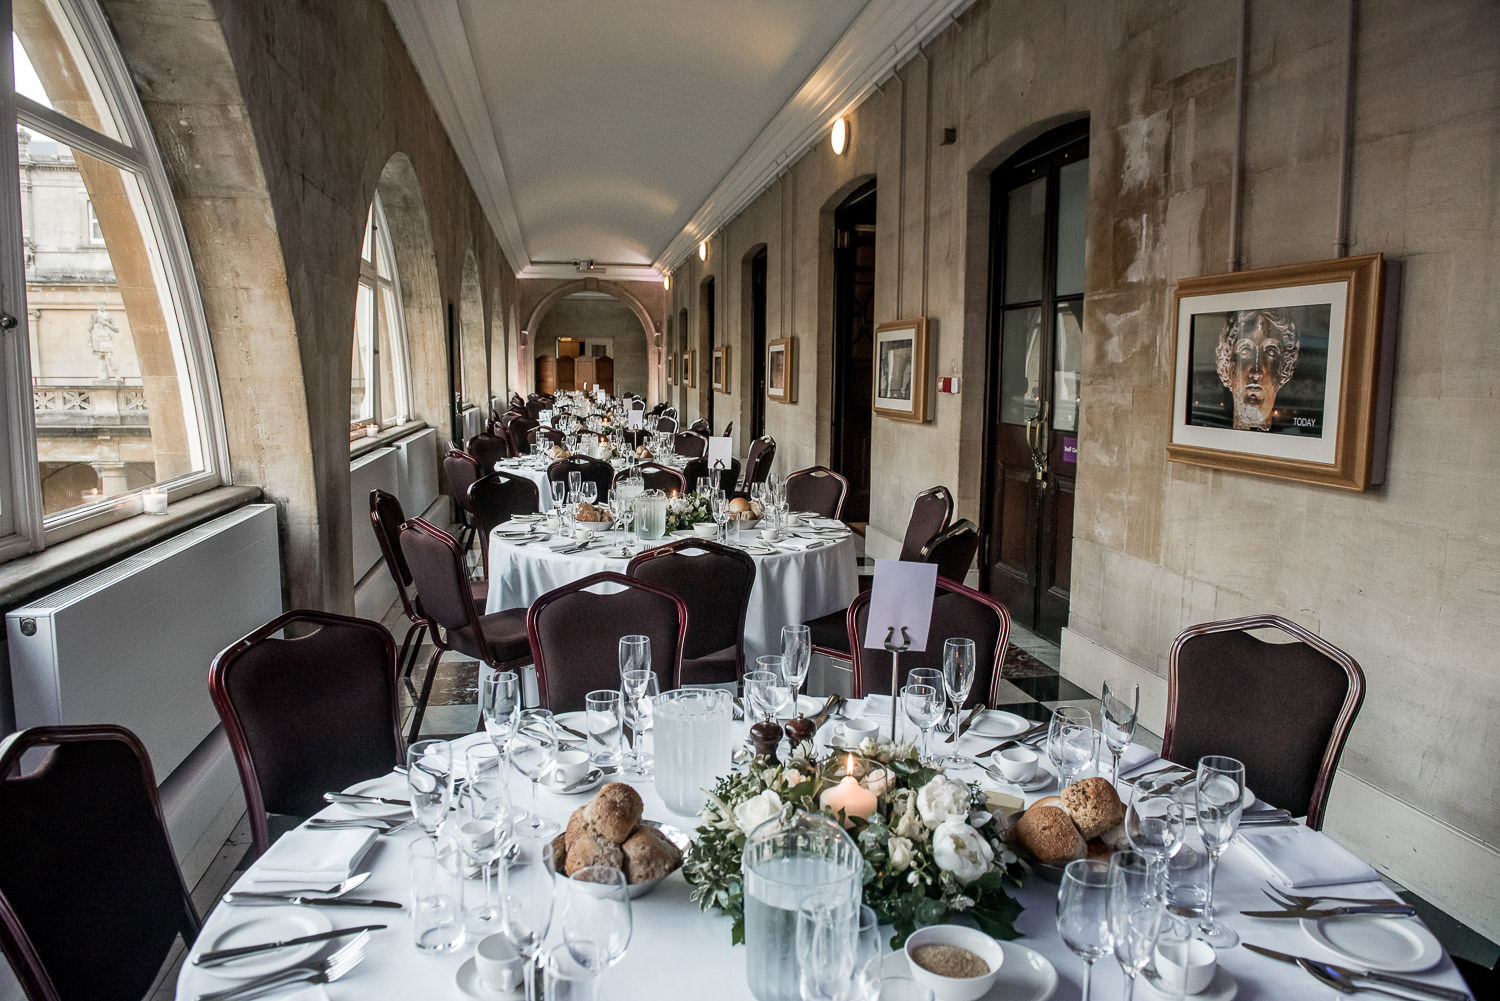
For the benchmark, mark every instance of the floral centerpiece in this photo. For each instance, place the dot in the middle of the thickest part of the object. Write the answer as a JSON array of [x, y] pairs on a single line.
[[931, 846], [687, 510]]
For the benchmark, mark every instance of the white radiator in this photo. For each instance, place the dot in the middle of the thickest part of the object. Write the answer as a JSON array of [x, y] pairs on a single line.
[[132, 643], [473, 422], [380, 468], [419, 471]]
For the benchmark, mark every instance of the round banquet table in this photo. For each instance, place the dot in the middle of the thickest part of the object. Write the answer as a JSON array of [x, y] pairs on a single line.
[[791, 586], [677, 952], [536, 472]]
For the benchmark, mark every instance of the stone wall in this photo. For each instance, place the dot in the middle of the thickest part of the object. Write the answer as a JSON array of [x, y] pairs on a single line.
[[1406, 576], [600, 320]]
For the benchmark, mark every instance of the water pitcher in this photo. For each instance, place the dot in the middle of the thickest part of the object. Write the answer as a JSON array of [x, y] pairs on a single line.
[[693, 745]]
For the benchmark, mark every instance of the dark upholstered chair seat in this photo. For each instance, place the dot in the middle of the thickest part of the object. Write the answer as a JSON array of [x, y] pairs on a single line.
[[714, 668], [829, 633], [502, 637]]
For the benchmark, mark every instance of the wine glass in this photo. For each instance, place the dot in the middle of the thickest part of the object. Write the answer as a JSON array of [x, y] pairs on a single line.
[[1135, 913], [1083, 913], [923, 706], [958, 678], [796, 656], [827, 941], [589, 491], [429, 782], [566, 979], [642, 688], [575, 482], [1154, 823], [500, 706], [1120, 704], [1072, 742], [526, 889], [776, 694], [869, 956], [1219, 788], [559, 494], [533, 753], [595, 916]]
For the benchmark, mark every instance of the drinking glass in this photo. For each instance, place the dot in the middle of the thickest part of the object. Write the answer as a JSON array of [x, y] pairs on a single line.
[[481, 828], [526, 888], [559, 493], [796, 656], [429, 782], [595, 916], [575, 481], [958, 679], [500, 705], [924, 707], [757, 695], [705, 486], [641, 689], [869, 956], [1120, 704], [627, 515], [1083, 913], [589, 491], [635, 667], [605, 728], [1219, 788], [437, 917], [776, 695], [827, 937], [1154, 823], [533, 753], [566, 979], [719, 504], [1072, 742], [1135, 913]]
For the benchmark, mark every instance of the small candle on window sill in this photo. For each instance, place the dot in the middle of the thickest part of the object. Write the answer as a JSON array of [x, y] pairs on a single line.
[[91, 496], [154, 501], [371, 430]]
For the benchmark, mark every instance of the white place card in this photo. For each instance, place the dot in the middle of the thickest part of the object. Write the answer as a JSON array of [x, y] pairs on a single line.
[[720, 453], [545, 417], [635, 418], [901, 597]]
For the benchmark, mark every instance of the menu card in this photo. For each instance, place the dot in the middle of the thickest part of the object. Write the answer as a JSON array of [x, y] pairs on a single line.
[[635, 418], [901, 597], [720, 453]]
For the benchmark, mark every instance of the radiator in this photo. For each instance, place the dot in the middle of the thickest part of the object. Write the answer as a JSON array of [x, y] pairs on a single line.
[[473, 422], [419, 471], [380, 468], [132, 643]]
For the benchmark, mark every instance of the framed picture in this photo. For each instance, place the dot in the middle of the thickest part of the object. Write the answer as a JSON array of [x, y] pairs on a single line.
[[901, 370], [690, 368], [1286, 371], [781, 370], [719, 370], [672, 368]]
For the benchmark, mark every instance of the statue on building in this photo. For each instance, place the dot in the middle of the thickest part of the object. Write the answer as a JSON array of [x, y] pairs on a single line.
[[102, 331], [1256, 355]]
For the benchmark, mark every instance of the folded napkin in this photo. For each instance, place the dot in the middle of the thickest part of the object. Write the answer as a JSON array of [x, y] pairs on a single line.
[[798, 543], [559, 543], [1300, 857], [515, 526], [306, 857], [1134, 758], [876, 707], [825, 523]]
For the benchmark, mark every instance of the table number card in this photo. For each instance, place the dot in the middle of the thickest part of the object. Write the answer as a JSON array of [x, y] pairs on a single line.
[[635, 418], [545, 416], [720, 453], [901, 596]]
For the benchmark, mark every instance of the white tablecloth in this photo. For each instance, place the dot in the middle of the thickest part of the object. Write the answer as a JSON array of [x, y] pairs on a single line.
[[676, 952], [790, 587]]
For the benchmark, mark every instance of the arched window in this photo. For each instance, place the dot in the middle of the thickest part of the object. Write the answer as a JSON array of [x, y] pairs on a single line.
[[379, 389], [108, 381]]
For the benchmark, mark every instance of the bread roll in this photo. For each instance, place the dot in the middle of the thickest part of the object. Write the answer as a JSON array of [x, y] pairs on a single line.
[[1094, 806], [588, 849], [739, 505], [649, 855], [1050, 836], [613, 813], [588, 512], [1098, 849], [578, 825], [560, 852]]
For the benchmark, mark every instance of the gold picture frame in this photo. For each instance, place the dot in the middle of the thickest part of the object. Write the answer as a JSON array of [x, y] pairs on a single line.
[[1287, 371], [672, 368], [690, 369], [719, 370], [900, 390], [781, 370]]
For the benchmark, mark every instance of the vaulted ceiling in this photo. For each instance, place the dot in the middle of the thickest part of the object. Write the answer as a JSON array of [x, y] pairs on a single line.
[[623, 133]]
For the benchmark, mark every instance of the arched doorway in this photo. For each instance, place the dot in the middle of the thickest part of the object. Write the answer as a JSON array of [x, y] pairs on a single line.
[[854, 345], [705, 359], [643, 333], [755, 282]]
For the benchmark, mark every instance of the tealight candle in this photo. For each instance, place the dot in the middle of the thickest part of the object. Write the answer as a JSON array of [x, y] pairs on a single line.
[[849, 797], [154, 501]]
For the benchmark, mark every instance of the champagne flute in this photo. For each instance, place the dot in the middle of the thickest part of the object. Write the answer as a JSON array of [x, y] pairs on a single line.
[[500, 706], [559, 494], [796, 656], [777, 693], [827, 941], [526, 891], [1072, 742], [635, 658], [1083, 913], [646, 688], [482, 827], [923, 707], [429, 782], [595, 915], [1119, 704], [575, 482], [958, 679], [1219, 788], [1154, 823], [1135, 914], [533, 753], [719, 502]]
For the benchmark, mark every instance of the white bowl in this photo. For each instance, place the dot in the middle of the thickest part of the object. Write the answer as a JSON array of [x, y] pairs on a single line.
[[705, 529], [955, 988], [1192, 973]]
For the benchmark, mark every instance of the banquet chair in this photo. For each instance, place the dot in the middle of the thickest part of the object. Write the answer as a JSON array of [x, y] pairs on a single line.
[[698, 468], [575, 635], [308, 713], [518, 430], [487, 449], [1284, 708], [517, 403], [437, 566], [545, 434], [386, 517], [714, 582], [656, 477], [693, 444], [930, 514], [536, 404], [600, 473], [701, 426], [634, 437], [957, 612], [666, 425], [818, 489], [758, 461], [728, 430], [462, 470], [953, 549], [496, 499], [91, 897]]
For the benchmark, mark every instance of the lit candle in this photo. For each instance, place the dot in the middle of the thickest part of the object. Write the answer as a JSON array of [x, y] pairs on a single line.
[[849, 797], [154, 501]]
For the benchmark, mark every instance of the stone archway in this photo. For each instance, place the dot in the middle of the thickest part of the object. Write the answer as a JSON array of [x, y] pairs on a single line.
[[653, 339]]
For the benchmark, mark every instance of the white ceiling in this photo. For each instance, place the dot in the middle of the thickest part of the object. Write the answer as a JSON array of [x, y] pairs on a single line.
[[623, 133]]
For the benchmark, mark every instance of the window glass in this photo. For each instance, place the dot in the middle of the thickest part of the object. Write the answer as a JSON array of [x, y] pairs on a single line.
[[1025, 226], [1072, 225], [378, 390], [1021, 366]]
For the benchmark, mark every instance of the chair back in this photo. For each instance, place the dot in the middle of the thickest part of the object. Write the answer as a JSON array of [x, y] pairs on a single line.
[[496, 499], [758, 461], [698, 468], [91, 898], [386, 516], [957, 612], [544, 433], [306, 714], [728, 430], [573, 660], [953, 549], [487, 450], [817, 488], [535, 405], [667, 424], [636, 403], [1284, 709], [930, 513], [701, 426], [462, 471], [655, 476], [601, 473], [437, 570], [690, 443], [517, 403], [518, 430], [714, 582]]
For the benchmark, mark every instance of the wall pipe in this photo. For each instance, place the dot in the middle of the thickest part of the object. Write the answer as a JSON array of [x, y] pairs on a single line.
[[1236, 169], [1346, 137]]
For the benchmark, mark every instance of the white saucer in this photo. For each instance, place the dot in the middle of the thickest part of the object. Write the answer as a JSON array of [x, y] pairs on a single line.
[[1375, 942], [1221, 988], [1025, 974], [391, 786], [268, 924], [999, 724], [555, 787], [469, 983], [1041, 780]]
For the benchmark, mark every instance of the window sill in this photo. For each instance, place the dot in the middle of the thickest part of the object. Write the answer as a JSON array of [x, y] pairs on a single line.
[[360, 446], [64, 562]]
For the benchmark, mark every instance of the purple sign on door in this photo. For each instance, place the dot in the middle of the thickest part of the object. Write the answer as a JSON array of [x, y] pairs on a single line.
[[1070, 450]]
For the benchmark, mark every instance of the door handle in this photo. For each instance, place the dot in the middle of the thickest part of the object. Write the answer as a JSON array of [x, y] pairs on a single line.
[[1036, 442]]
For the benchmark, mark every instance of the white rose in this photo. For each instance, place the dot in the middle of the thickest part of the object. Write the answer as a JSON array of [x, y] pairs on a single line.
[[901, 852], [908, 826], [756, 810], [792, 777], [942, 800], [959, 849]]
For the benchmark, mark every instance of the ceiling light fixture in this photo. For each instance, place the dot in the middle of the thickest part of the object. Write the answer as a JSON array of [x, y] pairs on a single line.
[[702, 250], [839, 136], [587, 267]]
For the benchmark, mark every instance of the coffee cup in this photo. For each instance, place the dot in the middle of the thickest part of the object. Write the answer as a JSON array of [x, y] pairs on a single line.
[[497, 963], [770, 534], [793, 518], [1186, 966], [571, 766], [852, 731], [705, 529], [1018, 764], [581, 534]]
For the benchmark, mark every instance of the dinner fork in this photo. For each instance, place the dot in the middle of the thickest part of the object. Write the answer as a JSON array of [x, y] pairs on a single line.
[[338, 963], [1292, 902]]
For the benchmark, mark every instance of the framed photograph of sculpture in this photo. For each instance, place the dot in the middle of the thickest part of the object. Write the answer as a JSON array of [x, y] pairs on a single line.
[[672, 368], [690, 369], [781, 370], [719, 373], [901, 370], [1286, 371]]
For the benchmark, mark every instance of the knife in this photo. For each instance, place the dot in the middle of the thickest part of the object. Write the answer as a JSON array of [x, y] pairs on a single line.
[[1381, 978], [224, 955], [967, 722], [1335, 912], [344, 797], [570, 730], [1039, 729], [253, 898]]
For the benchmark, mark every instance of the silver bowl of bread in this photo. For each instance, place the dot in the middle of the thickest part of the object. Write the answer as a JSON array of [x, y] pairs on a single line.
[[608, 830], [1087, 820]]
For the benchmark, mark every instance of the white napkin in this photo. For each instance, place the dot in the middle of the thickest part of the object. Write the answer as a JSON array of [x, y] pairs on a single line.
[[1133, 758], [557, 544], [1300, 857], [306, 857], [798, 543], [515, 526], [824, 523], [876, 707]]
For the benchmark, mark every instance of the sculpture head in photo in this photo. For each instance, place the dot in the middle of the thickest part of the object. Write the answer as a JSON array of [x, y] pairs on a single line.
[[1256, 356]]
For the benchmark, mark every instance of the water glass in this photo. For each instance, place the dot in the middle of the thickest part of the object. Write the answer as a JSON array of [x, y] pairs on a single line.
[[1219, 787], [1154, 823], [566, 979], [1072, 742], [705, 486], [1135, 913], [533, 753], [1120, 704], [604, 726], [796, 655], [437, 917], [500, 705], [869, 957], [527, 884], [429, 782], [827, 941], [924, 707], [1083, 913], [776, 695], [595, 916]]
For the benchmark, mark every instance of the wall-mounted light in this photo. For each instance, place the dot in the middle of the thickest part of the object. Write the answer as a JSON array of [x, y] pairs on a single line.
[[839, 136], [702, 250], [666, 282]]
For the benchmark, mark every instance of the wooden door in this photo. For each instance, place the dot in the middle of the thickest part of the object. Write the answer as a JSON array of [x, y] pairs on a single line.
[[1038, 212]]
